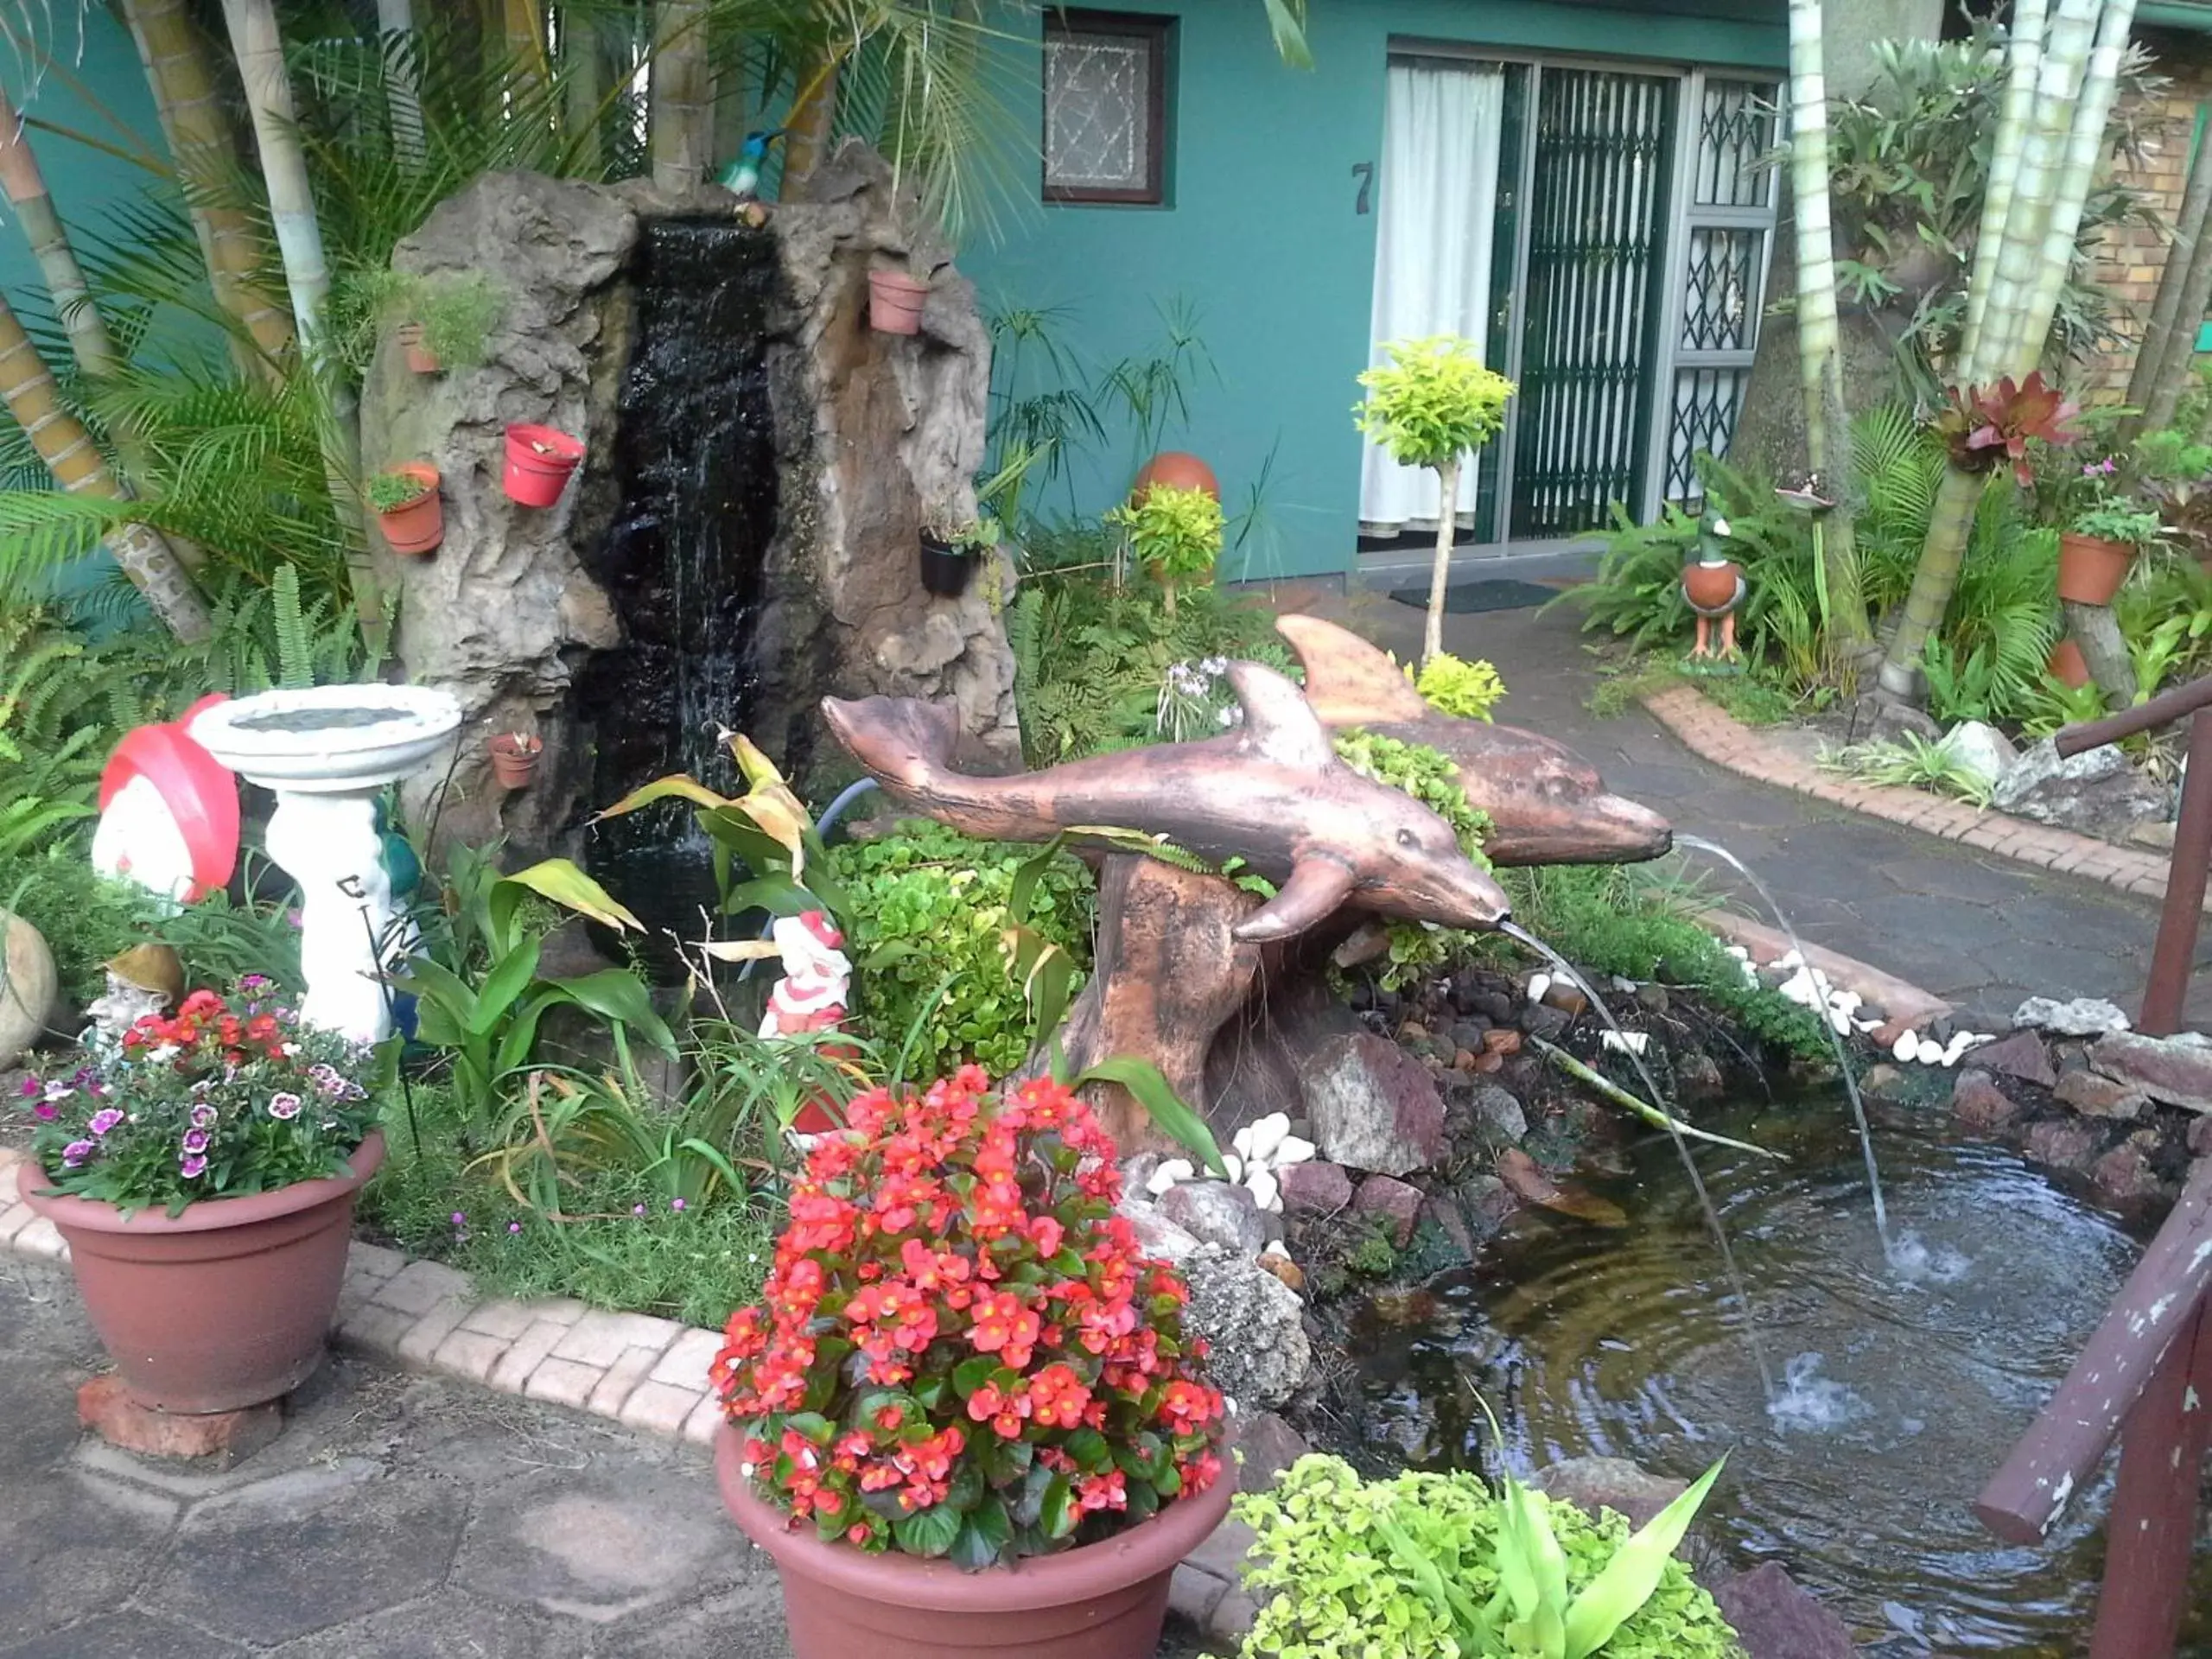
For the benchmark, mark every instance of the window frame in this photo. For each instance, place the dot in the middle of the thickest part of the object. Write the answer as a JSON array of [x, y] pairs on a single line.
[[1155, 28]]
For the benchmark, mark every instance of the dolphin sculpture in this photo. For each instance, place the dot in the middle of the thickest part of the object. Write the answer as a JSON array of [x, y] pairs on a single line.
[[1547, 805], [1272, 793]]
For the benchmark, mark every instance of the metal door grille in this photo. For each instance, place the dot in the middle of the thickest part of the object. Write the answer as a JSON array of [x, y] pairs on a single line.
[[1604, 145]]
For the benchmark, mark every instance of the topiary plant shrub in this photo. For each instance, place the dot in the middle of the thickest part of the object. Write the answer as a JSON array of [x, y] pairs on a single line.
[[1175, 534]]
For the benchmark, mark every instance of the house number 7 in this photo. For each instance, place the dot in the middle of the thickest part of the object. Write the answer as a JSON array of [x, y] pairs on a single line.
[[1364, 172]]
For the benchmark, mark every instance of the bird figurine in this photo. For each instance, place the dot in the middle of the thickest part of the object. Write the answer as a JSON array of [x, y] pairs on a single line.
[[743, 176], [1713, 584]]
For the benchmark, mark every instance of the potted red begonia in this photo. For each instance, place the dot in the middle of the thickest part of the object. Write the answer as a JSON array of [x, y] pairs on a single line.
[[204, 1177], [965, 1418]]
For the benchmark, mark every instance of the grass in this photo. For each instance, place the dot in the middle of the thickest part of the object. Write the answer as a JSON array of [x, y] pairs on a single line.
[[695, 1264], [1752, 697]]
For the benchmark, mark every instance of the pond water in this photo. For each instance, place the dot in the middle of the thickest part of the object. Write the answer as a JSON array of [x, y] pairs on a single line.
[[1904, 1386]]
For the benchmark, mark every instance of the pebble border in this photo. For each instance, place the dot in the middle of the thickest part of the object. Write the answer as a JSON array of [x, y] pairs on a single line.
[[1717, 736], [647, 1373]]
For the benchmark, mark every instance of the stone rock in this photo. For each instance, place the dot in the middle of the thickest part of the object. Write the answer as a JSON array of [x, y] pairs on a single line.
[[1595, 1484], [1775, 1618], [1697, 1077], [1882, 1082], [1568, 997], [1403, 1423], [2176, 1070], [550, 620], [2084, 1016], [1313, 1189], [1891, 719], [1487, 1201], [2200, 1138], [1255, 1323], [1539, 1019], [1265, 1446], [1977, 747], [1393, 1204], [2100, 1097], [2062, 1144], [1469, 1033], [1497, 1110], [2158, 837], [2099, 793], [214, 1440], [1373, 1107], [2124, 1174], [1978, 1103], [2021, 1055], [1156, 1235], [27, 987], [1214, 1212]]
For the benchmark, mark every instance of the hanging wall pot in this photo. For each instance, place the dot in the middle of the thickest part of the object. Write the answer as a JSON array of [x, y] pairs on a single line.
[[539, 461], [894, 302]]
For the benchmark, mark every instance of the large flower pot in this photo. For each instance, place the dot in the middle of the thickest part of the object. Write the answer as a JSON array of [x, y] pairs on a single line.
[[1178, 471], [418, 526], [226, 1306], [539, 461], [1103, 1601], [2067, 663], [2090, 568], [895, 303]]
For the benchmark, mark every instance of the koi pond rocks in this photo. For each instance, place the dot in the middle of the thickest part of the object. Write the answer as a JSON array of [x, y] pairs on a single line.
[[739, 539]]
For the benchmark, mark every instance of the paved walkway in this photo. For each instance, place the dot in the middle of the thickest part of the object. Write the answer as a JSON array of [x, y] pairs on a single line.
[[1980, 930], [398, 1517]]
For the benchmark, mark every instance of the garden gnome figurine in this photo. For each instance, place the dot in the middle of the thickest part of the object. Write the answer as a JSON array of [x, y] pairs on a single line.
[[145, 979], [1713, 583], [810, 996]]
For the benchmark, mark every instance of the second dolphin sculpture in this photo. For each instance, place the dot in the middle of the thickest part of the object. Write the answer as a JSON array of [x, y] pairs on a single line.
[[1547, 805], [1271, 793]]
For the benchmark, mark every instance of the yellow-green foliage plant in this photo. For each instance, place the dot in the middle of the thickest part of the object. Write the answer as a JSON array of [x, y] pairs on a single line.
[[1432, 404], [1175, 534], [1463, 690], [1438, 1566]]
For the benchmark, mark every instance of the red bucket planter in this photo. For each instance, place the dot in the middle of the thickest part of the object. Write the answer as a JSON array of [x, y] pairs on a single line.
[[539, 461], [1103, 1601], [226, 1306]]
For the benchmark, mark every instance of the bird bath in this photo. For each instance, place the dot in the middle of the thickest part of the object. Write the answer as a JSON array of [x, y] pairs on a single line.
[[327, 753]]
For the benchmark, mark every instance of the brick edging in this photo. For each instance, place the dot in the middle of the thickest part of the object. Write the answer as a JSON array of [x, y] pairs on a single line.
[[1714, 733], [646, 1373]]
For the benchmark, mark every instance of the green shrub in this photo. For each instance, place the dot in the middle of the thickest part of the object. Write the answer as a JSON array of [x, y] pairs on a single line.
[[1463, 690], [1418, 948], [1345, 1590], [1175, 533], [927, 912]]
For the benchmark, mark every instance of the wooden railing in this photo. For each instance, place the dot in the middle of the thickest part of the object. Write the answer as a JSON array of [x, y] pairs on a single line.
[[2146, 1375]]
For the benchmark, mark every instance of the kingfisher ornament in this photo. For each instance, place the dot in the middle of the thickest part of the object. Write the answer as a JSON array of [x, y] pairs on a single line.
[[1713, 586]]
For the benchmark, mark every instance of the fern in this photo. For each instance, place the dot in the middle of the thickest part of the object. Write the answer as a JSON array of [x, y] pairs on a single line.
[[295, 650]]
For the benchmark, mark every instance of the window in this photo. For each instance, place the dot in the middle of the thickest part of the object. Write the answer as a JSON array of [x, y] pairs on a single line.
[[1105, 106]]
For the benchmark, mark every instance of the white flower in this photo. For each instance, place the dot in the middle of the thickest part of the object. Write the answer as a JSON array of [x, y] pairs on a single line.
[[161, 1054]]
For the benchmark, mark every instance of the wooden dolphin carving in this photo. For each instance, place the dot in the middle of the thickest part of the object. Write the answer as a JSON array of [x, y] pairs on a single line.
[[1547, 805], [1272, 793]]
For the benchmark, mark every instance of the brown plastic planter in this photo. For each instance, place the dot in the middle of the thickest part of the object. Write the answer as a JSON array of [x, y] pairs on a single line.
[[1103, 1601], [514, 759], [227, 1305], [2068, 664], [420, 358], [416, 526], [895, 303], [2091, 569]]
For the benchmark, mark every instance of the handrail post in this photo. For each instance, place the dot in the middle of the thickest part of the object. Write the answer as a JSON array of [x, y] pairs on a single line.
[[2152, 1531], [2167, 987]]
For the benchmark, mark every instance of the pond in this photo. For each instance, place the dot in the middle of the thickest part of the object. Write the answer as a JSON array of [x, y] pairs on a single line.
[[1904, 1386]]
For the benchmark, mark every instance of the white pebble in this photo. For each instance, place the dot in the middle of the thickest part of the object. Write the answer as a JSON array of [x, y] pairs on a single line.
[[1265, 1192], [1234, 1164], [1538, 984], [1268, 1134], [1788, 959], [1294, 1151], [1274, 1247], [1624, 985], [1907, 1046], [1242, 1142], [1625, 1042], [1839, 1023], [1864, 1025], [1739, 953], [1931, 1053], [1172, 1173], [1847, 1001]]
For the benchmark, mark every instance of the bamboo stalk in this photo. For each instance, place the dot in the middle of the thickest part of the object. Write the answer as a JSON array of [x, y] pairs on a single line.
[[2030, 20], [1949, 527], [807, 128], [402, 95], [2181, 349], [584, 80], [1643, 1108], [681, 91], [2161, 335]]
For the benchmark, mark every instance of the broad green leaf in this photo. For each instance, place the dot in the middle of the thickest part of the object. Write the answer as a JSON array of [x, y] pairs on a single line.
[[509, 978], [677, 787], [1168, 1109], [1610, 1600], [442, 994], [972, 1373], [559, 879], [1546, 1559], [984, 1535], [618, 994], [927, 1532], [1057, 1512], [776, 894]]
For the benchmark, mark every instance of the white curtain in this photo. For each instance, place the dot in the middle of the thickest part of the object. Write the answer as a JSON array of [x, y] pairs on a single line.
[[1441, 126]]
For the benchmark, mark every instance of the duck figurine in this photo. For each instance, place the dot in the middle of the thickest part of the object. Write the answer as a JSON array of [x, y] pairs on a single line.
[[1712, 585]]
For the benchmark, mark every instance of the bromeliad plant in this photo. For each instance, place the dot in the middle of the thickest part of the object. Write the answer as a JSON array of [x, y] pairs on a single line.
[[960, 1351], [226, 1097], [1436, 1567], [1984, 426]]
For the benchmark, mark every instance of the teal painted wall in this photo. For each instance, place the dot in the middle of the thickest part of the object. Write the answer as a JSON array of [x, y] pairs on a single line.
[[1262, 242], [95, 87]]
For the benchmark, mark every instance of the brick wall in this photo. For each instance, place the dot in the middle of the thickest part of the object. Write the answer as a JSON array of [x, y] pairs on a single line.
[[2131, 260]]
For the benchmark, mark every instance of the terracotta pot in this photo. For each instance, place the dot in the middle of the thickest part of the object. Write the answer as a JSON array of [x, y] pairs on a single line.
[[2090, 568], [1178, 472], [514, 759], [2067, 662], [1711, 587], [946, 569], [895, 303], [539, 461], [419, 526], [420, 358], [227, 1305], [1103, 1601]]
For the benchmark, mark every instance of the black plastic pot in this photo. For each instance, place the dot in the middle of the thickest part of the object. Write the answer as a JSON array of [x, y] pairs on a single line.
[[946, 569]]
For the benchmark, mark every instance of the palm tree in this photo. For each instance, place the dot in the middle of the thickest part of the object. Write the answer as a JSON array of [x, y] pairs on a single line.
[[191, 112], [25, 183], [74, 460], [1819, 356], [682, 96]]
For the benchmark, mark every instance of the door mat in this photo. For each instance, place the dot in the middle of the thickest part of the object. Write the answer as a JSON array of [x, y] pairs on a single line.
[[1494, 593]]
